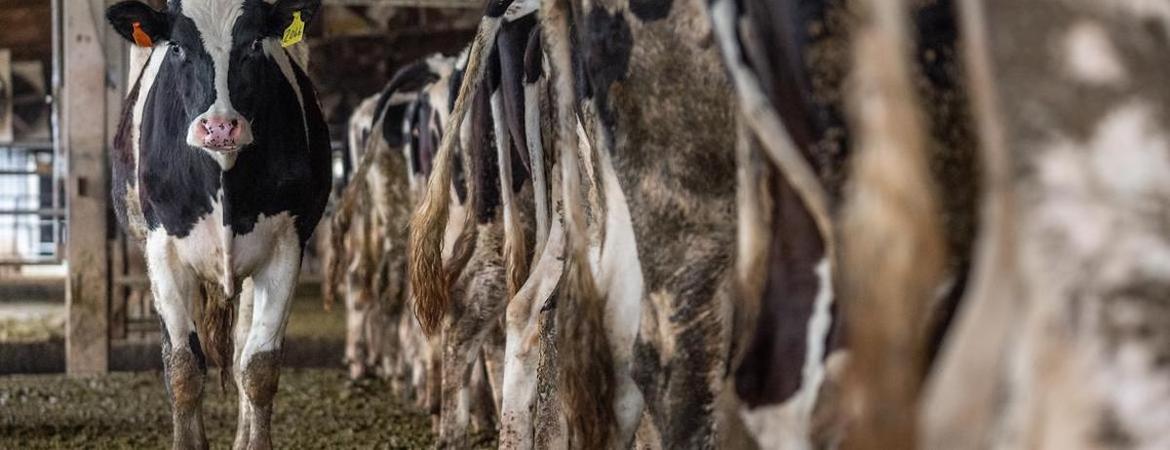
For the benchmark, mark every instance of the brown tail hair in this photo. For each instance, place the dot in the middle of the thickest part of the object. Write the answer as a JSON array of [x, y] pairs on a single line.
[[515, 250], [585, 365], [428, 279], [215, 330], [892, 249]]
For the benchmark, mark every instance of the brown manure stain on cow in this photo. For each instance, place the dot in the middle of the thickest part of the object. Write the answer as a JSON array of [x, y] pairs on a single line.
[[313, 409]]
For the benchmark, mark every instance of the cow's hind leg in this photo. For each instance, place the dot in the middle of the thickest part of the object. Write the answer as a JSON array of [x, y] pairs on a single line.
[[184, 364], [273, 287], [482, 296]]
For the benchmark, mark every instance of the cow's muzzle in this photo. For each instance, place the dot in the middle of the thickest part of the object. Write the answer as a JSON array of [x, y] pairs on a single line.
[[221, 133]]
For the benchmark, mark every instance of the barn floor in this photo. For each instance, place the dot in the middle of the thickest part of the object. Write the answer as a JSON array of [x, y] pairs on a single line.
[[315, 408]]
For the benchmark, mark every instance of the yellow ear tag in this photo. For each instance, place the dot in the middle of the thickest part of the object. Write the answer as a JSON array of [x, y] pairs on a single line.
[[141, 39], [295, 31]]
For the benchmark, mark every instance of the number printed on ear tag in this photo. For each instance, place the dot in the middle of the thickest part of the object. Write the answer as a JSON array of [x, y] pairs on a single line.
[[295, 31]]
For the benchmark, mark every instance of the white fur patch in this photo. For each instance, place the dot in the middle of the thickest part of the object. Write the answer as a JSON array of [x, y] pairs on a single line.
[[622, 285], [532, 134], [520, 8], [1090, 55], [813, 374]]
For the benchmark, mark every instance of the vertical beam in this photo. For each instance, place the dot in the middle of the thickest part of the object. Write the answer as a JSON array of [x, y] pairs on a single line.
[[83, 97]]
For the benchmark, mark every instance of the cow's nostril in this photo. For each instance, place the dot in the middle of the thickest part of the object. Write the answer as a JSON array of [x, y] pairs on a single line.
[[204, 121], [235, 122]]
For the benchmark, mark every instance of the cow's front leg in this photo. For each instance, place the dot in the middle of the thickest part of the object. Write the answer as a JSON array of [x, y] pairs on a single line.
[[260, 362], [184, 365], [243, 329]]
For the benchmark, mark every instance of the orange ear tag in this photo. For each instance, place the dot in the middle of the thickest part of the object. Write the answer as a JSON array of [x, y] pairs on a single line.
[[141, 39]]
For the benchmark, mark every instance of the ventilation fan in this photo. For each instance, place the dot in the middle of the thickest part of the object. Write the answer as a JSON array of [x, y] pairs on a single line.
[[24, 106], [30, 101]]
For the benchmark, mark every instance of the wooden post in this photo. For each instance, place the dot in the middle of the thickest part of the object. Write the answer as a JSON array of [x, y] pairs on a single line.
[[83, 133]]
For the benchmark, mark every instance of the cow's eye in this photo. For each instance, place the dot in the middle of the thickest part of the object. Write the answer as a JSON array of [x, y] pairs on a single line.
[[257, 45], [178, 51]]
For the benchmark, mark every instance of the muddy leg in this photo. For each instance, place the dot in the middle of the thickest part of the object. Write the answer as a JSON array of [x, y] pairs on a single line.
[[356, 343], [493, 361], [458, 360], [243, 327], [185, 367], [521, 350], [260, 361], [483, 413]]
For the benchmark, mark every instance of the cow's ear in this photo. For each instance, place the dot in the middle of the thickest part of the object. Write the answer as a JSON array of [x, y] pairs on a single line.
[[139, 23], [288, 19]]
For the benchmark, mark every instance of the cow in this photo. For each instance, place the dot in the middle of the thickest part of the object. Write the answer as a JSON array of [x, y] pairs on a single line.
[[221, 170], [364, 259], [410, 113], [608, 296], [808, 223]]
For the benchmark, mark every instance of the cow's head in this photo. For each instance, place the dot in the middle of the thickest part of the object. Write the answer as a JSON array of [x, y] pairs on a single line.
[[220, 56]]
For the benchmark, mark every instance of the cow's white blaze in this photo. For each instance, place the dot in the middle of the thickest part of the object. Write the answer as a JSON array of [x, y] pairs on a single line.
[[215, 21]]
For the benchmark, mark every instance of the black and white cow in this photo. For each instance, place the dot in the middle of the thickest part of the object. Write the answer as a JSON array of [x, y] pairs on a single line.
[[222, 168]]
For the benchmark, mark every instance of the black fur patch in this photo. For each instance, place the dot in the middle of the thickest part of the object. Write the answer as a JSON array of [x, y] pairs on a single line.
[[453, 88], [650, 10], [533, 57], [485, 169], [197, 350], [427, 147], [123, 15], [407, 79], [608, 56], [392, 119], [512, 42]]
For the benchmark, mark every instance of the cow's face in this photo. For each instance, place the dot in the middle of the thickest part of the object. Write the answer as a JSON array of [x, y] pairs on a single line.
[[220, 58]]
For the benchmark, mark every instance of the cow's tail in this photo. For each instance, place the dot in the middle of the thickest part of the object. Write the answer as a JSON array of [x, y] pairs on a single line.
[[585, 364], [339, 226], [766, 125], [893, 250], [428, 279], [215, 329], [515, 250]]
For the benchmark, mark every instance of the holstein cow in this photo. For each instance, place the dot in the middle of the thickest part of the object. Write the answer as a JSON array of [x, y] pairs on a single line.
[[464, 296], [647, 280], [221, 166], [410, 113], [366, 260], [789, 78]]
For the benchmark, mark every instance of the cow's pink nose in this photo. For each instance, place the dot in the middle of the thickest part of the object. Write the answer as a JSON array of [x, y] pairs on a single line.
[[218, 133]]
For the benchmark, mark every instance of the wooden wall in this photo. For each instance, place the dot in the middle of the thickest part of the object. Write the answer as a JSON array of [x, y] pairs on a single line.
[[27, 29]]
